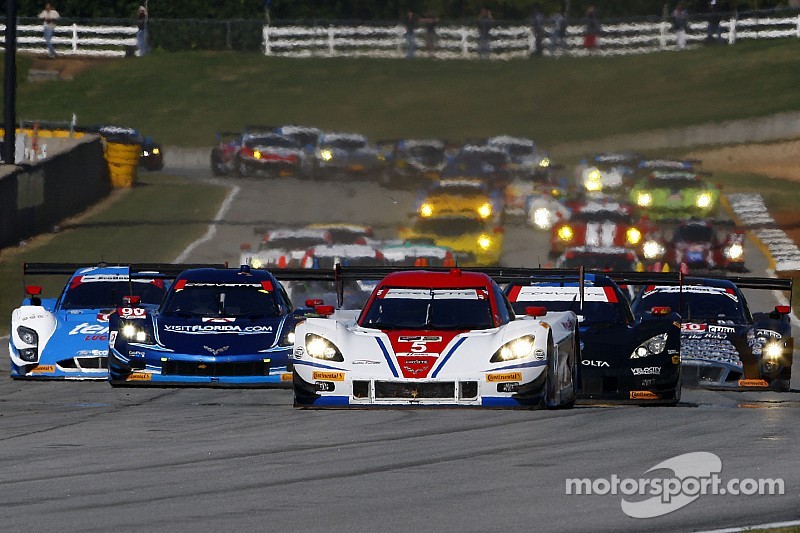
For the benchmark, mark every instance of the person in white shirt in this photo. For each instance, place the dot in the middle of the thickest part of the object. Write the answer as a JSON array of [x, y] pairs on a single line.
[[49, 16]]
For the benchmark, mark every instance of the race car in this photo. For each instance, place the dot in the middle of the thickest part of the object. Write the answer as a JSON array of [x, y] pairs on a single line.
[[622, 358], [608, 172], [460, 197], [268, 154], [706, 245], [215, 327], [421, 253], [351, 154], [525, 161], [722, 344], [543, 209], [284, 247], [306, 137], [432, 339], [489, 163], [473, 241], [410, 161], [152, 154], [675, 194], [67, 337], [601, 224], [326, 256], [602, 258], [345, 232]]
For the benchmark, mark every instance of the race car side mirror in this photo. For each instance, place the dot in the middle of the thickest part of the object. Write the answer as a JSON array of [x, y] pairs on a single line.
[[661, 310], [535, 310], [131, 299], [324, 310], [313, 302], [780, 311]]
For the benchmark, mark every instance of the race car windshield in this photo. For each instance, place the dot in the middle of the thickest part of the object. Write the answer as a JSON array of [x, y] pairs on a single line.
[[707, 305], [420, 308], [219, 300], [601, 305], [346, 144], [449, 227], [100, 295], [694, 234], [273, 141], [458, 190], [615, 262], [303, 138], [674, 183], [427, 153], [291, 243], [603, 216]]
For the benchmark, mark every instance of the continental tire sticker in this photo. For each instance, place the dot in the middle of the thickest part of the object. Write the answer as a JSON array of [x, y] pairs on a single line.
[[328, 376], [286, 376], [504, 376], [753, 383], [644, 395], [43, 369], [140, 376]]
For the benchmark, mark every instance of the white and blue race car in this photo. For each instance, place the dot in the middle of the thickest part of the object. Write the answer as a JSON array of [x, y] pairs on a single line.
[[435, 338], [67, 337]]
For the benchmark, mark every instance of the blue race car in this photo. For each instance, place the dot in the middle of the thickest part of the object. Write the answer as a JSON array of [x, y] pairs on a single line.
[[723, 345], [622, 358], [216, 326], [67, 337]]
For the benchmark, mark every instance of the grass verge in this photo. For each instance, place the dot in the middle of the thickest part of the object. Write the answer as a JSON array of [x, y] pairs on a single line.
[[153, 222]]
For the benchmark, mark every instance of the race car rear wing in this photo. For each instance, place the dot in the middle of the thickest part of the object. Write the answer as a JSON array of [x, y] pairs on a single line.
[[167, 270]]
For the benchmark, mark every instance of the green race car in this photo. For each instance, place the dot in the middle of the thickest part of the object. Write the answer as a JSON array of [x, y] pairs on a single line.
[[675, 194]]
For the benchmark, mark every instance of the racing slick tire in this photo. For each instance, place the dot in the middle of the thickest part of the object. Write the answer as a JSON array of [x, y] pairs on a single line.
[[217, 168], [243, 169], [552, 395]]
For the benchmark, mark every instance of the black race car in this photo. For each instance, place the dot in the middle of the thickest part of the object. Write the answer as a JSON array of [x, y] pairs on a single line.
[[622, 357], [723, 345]]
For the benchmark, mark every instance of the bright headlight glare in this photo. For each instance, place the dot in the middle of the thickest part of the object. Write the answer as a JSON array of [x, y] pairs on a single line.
[[734, 251], [326, 155], [545, 162], [633, 236], [520, 348], [129, 331], [773, 351], [257, 154], [652, 346], [321, 348], [426, 210], [565, 233], [156, 151], [541, 218], [256, 263], [485, 210], [288, 338], [652, 249], [485, 242], [703, 200], [136, 334], [644, 199]]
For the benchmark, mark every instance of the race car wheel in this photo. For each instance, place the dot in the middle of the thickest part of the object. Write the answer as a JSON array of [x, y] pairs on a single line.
[[243, 169], [216, 164]]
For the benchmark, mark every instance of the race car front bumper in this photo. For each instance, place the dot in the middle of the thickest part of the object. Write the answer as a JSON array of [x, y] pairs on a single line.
[[660, 384]]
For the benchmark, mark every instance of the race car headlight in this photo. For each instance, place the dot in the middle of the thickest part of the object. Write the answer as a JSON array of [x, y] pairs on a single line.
[[485, 211], [156, 151], [321, 348], [542, 218], [644, 199], [257, 154], [145, 153], [633, 236], [545, 162], [135, 333], [485, 242], [652, 346], [426, 210], [288, 338], [565, 233], [326, 155], [256, 263], [772, 351], [593, 181], [703, 200], [520, 348], [28, 336], [734, 251], [652, 249]]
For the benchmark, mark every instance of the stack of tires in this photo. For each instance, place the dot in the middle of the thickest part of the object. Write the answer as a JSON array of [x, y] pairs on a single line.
[[122, 156]]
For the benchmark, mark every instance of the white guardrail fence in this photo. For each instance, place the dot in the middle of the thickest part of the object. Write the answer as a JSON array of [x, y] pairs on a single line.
[[452, 42]]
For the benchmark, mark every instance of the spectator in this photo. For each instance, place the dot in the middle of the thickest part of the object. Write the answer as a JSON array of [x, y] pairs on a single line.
[[559, 35], [49, 16], [592, 29], [141, 32], [714, 30], [484, 32], [680, 22], [411, 41], [537, 26], [430, 21]]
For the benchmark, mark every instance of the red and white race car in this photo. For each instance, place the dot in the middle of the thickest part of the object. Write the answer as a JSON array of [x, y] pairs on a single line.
[[284, 247], [436, 338], [600, 224]]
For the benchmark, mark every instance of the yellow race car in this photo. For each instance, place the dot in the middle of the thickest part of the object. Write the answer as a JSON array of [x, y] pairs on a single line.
[[459, 197], [473, 241]]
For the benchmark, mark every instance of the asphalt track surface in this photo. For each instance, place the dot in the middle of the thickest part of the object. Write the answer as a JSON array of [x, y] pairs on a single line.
[[86, 457]]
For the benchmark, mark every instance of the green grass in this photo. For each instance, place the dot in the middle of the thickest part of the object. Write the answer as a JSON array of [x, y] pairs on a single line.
[[153, 222], [778, 194], [184, 98]]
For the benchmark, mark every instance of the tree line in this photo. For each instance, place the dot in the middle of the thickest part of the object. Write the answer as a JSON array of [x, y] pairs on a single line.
[[362, 10]]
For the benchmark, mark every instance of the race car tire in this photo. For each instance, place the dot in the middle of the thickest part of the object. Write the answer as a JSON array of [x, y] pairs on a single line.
[[574, 371], [243, 169], [216, 164], [677, 399]]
